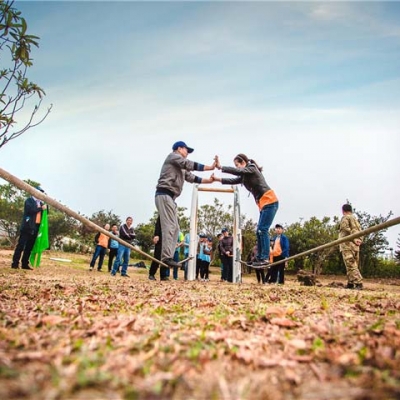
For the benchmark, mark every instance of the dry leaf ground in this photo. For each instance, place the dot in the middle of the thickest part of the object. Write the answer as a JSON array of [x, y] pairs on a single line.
[[67, 333]]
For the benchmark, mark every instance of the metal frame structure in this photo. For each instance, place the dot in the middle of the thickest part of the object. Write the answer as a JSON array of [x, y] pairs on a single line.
[[237, 232]]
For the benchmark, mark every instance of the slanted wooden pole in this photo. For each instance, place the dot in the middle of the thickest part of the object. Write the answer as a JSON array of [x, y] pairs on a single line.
[[54, 203]]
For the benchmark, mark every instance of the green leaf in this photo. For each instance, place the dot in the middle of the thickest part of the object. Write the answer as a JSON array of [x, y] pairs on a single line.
[[24, 26]]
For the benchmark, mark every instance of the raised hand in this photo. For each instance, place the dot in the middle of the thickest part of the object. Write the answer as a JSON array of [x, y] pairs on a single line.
[[215, 178], [217, 163]]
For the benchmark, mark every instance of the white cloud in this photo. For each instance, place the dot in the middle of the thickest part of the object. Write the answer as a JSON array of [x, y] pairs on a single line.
[[226, 79]]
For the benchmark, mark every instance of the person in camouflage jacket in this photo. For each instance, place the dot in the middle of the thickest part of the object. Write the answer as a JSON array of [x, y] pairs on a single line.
[[351, 250]]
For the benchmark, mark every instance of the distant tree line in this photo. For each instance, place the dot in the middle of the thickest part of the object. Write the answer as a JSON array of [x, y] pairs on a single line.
[[303, 235]]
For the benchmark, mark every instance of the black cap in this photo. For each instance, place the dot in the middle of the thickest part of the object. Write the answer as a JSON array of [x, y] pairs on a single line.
[[347, 208]]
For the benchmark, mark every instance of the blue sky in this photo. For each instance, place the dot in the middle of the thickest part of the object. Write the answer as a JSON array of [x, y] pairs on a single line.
[[310, 90]]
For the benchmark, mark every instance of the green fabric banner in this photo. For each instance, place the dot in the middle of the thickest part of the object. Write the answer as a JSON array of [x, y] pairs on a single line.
[[42, 241]]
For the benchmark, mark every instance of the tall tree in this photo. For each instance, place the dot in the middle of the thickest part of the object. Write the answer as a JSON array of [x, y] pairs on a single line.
[[309, 234], [11, 210], [145, 233], [85, 234], [16, 91], [213, 217], [373, 244]]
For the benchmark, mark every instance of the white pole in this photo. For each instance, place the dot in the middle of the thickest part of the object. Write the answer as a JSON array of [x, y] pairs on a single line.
[[191, 266], [237, 239], [237, 232]]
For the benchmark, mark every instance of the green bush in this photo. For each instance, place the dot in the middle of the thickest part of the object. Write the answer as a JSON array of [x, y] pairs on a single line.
[[72, 248], [382, 269]]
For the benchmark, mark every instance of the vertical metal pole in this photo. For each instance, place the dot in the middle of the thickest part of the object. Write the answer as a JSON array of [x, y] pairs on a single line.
[[237, 238], [191, 272]]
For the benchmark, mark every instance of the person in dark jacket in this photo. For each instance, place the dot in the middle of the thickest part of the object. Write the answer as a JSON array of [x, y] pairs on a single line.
[[33, 209], [157, 240], [249, 174], [127, 234], [220, 236], [226, 246], [175, 171]]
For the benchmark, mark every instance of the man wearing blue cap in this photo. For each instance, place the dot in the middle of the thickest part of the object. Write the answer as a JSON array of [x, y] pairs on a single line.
[[174, 172], [33, 209]]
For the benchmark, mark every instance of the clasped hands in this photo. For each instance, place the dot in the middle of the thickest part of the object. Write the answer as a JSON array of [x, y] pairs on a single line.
[[216, 164]]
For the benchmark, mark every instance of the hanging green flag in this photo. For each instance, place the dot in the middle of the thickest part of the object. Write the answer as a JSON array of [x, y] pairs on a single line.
[[42, 241]]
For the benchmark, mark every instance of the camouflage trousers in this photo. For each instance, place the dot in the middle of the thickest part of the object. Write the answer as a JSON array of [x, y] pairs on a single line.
[[351, 259]]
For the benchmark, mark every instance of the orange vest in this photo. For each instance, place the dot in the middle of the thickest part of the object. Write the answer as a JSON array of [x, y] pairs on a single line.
[[277, 250], [103, 240], [268, 197]]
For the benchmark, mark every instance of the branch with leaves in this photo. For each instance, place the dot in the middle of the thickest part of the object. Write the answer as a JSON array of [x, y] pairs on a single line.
[[15, 88]]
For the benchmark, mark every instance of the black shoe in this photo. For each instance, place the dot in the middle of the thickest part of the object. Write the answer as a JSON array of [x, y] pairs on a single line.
[[125, 276], [358, 286], [171, 263], [165, 278], [27, 267], [99, 270], [350, 286], [152, 278], [261, 263], [14, 267]]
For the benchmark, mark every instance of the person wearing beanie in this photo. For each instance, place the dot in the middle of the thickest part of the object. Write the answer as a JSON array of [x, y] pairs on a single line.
[[351, 250]]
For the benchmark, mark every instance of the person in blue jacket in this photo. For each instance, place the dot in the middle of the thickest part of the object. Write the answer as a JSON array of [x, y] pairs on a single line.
[[280, 251]]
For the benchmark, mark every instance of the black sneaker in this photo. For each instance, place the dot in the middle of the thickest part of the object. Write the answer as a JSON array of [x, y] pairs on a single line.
[[261, 263], [14, 267], [171, 263], [27, 267], [125, 276], [358, 286], [152, 278], [350, 286], [165, 278]]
